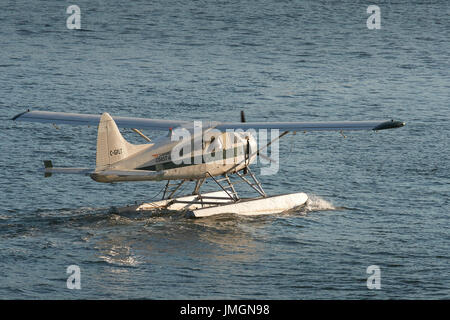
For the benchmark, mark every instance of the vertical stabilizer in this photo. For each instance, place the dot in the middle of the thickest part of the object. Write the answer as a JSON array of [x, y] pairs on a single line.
[[111, 146]]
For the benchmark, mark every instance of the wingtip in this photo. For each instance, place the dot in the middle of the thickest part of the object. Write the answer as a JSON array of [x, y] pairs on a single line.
[[390, 125], [48, 165], [20, 114]]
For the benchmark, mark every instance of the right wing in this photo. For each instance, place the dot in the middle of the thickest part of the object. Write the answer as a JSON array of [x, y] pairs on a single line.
[[314, 126], [94, 119]]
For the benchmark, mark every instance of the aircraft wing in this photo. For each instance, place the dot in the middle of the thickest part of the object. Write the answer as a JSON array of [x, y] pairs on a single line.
[[154, 124], [93, 120], [314, 126]]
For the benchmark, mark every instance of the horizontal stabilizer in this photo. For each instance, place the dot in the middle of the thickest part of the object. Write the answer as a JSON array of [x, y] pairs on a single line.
[[137, 173], [125, 175], [49, 170]]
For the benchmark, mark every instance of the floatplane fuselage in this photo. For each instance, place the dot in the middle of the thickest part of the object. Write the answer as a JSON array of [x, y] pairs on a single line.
[[190, 151], [202, 153]]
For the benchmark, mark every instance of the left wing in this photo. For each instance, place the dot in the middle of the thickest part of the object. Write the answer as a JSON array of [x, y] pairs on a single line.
[[154, 124]]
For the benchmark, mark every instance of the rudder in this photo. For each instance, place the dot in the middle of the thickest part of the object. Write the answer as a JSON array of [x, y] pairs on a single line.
[[111, 146]]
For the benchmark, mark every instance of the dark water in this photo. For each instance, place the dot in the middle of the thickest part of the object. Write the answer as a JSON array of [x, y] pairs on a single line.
[[378, 198]]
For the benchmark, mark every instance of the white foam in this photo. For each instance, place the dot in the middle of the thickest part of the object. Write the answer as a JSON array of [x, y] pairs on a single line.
[[316, 203]]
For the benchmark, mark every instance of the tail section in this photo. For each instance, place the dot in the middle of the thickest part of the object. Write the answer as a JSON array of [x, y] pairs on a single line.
[[111, 146]]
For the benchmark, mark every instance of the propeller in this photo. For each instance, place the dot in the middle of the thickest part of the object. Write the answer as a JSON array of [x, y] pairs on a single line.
[[247, 151], [242, 116]]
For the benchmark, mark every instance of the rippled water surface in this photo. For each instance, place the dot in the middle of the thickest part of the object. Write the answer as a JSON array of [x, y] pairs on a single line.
[[376, 198]]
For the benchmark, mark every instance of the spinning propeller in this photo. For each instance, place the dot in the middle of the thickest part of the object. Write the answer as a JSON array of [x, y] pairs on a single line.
[[258, 153]]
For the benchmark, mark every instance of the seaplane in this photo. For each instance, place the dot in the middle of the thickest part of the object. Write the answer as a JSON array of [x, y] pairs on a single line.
[[194, 151]]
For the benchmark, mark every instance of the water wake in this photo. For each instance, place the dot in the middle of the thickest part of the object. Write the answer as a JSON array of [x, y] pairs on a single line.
[[316, 203]]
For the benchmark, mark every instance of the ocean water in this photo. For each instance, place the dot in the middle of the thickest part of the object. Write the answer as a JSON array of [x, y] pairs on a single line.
[[376, 198]]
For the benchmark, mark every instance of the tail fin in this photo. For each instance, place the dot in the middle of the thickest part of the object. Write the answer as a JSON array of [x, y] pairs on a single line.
[[111, 146]]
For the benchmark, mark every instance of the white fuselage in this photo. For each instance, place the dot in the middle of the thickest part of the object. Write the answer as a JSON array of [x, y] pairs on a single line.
[[225, 153]]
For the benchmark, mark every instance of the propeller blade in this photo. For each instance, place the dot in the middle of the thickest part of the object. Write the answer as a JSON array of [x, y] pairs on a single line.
[[242, 116], [247, 150]]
